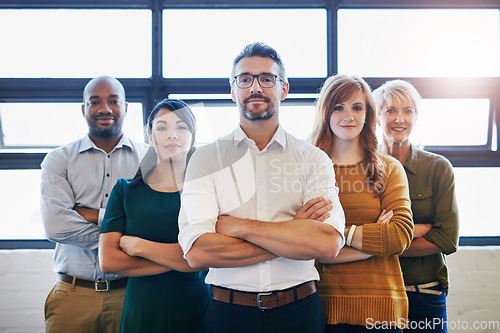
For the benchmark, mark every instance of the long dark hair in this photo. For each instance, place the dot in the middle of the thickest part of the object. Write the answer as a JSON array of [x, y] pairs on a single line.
[[183, 111]]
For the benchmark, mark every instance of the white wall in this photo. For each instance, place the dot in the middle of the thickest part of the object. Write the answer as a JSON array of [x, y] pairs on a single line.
[[26, 278], [474, 296]]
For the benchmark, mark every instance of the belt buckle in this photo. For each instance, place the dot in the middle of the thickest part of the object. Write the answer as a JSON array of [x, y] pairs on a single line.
[[102, 285], [259, 300]]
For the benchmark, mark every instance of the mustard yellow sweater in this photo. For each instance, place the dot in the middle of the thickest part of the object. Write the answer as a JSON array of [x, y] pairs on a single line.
[[352, 293]]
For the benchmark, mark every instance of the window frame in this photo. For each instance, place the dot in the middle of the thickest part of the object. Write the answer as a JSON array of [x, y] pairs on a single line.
[[148, 90]]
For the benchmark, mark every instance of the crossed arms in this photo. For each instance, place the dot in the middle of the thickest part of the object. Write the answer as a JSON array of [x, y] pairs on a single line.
[[134, 256], [243, 242]]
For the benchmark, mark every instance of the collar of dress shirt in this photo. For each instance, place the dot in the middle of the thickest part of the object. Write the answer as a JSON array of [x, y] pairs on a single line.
[[279, 137], [411, 162], [87, 143]]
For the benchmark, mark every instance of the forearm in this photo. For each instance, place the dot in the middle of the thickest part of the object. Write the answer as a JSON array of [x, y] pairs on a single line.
[[357, 238], [386, 239], [394, 236], [295, 239], [64, 225], [122, 264], [346, 254], [220, 251], [168, 255], [131, 266], [61, 222], [113, 260], [420, 247], [89, 214]]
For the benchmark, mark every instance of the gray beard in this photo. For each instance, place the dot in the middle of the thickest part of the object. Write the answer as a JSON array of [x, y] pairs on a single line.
[[267, 114]]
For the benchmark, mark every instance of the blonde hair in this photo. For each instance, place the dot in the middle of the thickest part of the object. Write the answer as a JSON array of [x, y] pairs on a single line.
[[339, 88], [399, 91]]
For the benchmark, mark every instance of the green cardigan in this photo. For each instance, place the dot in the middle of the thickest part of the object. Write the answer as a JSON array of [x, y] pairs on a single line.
[[432, 193]]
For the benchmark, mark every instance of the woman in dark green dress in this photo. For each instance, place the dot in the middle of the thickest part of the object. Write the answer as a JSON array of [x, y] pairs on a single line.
[[139, 232]]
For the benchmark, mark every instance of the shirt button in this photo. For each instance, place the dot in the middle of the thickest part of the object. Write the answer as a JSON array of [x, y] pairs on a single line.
[[107, 175], [109, 156], [419, 195], [106, 195]]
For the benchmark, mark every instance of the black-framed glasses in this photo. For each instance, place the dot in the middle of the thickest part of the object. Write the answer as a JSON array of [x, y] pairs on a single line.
[[265, 80]]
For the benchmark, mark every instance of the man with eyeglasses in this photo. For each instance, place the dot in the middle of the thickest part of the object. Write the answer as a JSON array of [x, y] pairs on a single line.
[[258, 207]]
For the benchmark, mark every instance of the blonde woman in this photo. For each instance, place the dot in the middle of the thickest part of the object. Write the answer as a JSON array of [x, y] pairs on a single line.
[[432, 192]]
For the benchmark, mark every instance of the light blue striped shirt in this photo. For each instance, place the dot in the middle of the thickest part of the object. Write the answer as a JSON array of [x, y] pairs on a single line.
[[82, 174]]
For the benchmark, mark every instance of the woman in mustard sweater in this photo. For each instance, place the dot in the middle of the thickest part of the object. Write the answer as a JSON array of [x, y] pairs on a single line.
[[363, 289]]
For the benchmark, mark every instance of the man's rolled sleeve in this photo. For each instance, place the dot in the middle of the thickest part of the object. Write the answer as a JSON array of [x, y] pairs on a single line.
[[63, 224], [321, 183], [199, 208]]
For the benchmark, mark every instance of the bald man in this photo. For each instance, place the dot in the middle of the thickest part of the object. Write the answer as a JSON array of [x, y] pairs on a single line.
[[76, 182]]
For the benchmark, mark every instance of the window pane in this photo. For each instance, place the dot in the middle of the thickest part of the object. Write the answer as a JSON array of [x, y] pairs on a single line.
[[209, 52], [452, 122], [36, 125], [75, 43], [20, 205], [419, 42], [298, 119], [477, 195]]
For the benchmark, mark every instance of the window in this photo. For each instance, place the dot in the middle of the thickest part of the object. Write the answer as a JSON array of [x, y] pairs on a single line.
[[452, 122], [49, 125], [61, 43], [477, 197], [20, 205], [157, 49], [298, 34], [419, 42]]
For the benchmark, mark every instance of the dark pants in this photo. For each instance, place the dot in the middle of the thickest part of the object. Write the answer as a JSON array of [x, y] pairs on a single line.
[[304, 316], [427, 312], [346, 328]]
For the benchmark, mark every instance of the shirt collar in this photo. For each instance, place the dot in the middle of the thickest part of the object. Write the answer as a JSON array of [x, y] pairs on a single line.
[[87, 144], [279, 137], [411, 162]]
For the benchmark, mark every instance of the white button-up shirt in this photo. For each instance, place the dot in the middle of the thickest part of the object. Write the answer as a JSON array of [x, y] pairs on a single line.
[[233, 177]]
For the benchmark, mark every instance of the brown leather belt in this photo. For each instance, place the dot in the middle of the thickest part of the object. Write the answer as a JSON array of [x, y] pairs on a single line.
[[98, 285], [264, 300]]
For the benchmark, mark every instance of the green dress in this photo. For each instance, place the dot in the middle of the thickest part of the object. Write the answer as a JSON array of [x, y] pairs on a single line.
[[168, 302]]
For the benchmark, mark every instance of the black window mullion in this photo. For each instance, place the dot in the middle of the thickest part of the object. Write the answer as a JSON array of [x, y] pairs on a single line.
[[332, 38]]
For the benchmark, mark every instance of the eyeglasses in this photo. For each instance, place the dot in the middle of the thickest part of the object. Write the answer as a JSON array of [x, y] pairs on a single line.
[[266, 80]]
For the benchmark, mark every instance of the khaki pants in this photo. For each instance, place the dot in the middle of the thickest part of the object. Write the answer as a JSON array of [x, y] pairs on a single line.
[[77, 309]]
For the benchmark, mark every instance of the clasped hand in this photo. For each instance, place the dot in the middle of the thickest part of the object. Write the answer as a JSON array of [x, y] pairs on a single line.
[[129, 245], [315, 209]]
